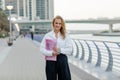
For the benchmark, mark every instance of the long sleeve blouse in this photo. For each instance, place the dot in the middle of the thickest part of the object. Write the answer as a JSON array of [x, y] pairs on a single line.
[[65, 45]]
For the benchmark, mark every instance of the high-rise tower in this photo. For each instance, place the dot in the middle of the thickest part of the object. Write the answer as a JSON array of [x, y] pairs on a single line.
[[32, 9]]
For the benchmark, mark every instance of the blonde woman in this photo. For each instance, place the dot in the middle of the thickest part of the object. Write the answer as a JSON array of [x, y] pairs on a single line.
[[57, 67]]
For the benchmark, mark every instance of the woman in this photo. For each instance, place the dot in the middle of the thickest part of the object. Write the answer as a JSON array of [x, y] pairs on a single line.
[[58, 68]]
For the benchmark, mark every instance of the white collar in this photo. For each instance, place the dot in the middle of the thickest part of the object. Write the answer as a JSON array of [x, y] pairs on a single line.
[[54, 33]]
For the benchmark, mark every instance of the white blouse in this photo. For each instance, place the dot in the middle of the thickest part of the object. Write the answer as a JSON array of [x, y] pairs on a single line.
[[65, 45]]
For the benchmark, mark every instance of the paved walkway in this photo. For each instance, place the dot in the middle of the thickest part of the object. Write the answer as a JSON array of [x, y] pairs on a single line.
[[23, 61]]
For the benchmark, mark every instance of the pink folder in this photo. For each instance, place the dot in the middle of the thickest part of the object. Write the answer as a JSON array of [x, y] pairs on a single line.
[[50, 44]]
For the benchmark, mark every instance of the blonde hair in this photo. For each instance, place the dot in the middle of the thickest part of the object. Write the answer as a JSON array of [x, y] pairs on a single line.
[[63, 28]]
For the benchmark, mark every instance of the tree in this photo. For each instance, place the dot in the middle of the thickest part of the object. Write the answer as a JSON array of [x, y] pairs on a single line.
[[4, 23]]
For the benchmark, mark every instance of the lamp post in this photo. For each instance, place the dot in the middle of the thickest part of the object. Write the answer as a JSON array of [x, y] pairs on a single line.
[[10, 7]]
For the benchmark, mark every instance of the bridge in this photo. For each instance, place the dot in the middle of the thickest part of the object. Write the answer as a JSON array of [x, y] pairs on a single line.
[[110, 22]]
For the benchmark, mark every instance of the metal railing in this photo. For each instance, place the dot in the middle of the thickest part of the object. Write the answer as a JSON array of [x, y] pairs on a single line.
[[105, 54]]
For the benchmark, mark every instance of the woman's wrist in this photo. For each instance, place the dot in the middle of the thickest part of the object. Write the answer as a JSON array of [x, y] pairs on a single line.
[[59, 50], [54, 53]]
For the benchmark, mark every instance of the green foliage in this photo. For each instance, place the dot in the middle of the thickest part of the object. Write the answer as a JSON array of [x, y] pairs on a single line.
[[4, 23], [3, 34]]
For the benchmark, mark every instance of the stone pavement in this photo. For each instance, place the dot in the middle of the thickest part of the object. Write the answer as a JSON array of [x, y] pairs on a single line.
[[23, 61]]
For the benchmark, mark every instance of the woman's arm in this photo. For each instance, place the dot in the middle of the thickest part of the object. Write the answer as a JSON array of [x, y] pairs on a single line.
[[67, 49], [43, 49]]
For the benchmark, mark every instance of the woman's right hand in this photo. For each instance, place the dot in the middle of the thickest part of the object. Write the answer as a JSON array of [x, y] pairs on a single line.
[[54, 53]]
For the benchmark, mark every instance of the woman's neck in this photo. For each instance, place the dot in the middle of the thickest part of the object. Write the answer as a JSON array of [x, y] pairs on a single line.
[[56, 33]]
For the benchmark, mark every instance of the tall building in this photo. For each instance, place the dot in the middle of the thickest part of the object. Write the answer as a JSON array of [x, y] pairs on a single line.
[[1, 4], [44, 9], [31, 9]]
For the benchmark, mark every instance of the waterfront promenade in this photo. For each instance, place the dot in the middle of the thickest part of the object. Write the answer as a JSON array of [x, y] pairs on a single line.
[[23, 61]]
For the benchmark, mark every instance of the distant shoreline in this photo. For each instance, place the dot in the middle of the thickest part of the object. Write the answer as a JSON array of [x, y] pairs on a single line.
[[94, 32], [84, 31]]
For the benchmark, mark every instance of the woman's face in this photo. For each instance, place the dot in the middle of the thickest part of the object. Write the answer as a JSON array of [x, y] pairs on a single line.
[[57, 25]]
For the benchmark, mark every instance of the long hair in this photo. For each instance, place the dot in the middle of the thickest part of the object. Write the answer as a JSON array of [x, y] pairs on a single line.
[[63, 28]]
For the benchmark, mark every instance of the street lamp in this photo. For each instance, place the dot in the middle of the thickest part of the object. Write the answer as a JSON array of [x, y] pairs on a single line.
[[10, 7]]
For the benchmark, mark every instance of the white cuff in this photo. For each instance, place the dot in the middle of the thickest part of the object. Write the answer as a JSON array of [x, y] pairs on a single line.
[[59, 51]]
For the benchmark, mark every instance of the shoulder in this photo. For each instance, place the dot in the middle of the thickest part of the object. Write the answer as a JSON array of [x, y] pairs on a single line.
[[49, 34]]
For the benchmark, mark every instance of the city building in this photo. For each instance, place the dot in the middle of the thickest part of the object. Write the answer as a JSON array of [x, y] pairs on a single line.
[[30, 10], [1, 5]]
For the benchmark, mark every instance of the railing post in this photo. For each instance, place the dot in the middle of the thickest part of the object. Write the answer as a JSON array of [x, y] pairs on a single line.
[[98, 64], [118, 44], [110, 63], [90, 53], [77, 52], [83, 51], [72, 50]]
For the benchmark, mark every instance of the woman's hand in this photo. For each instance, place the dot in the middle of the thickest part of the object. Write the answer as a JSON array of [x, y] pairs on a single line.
[[54, 53], [56, 49]]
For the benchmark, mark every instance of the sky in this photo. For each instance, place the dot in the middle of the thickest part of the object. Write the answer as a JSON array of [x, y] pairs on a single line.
[[85, 9]]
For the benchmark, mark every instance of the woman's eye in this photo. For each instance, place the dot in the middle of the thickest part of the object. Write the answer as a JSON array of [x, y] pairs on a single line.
[[58, 23]]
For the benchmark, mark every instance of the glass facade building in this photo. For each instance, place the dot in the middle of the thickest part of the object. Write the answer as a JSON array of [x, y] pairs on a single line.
[[32, 9]]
